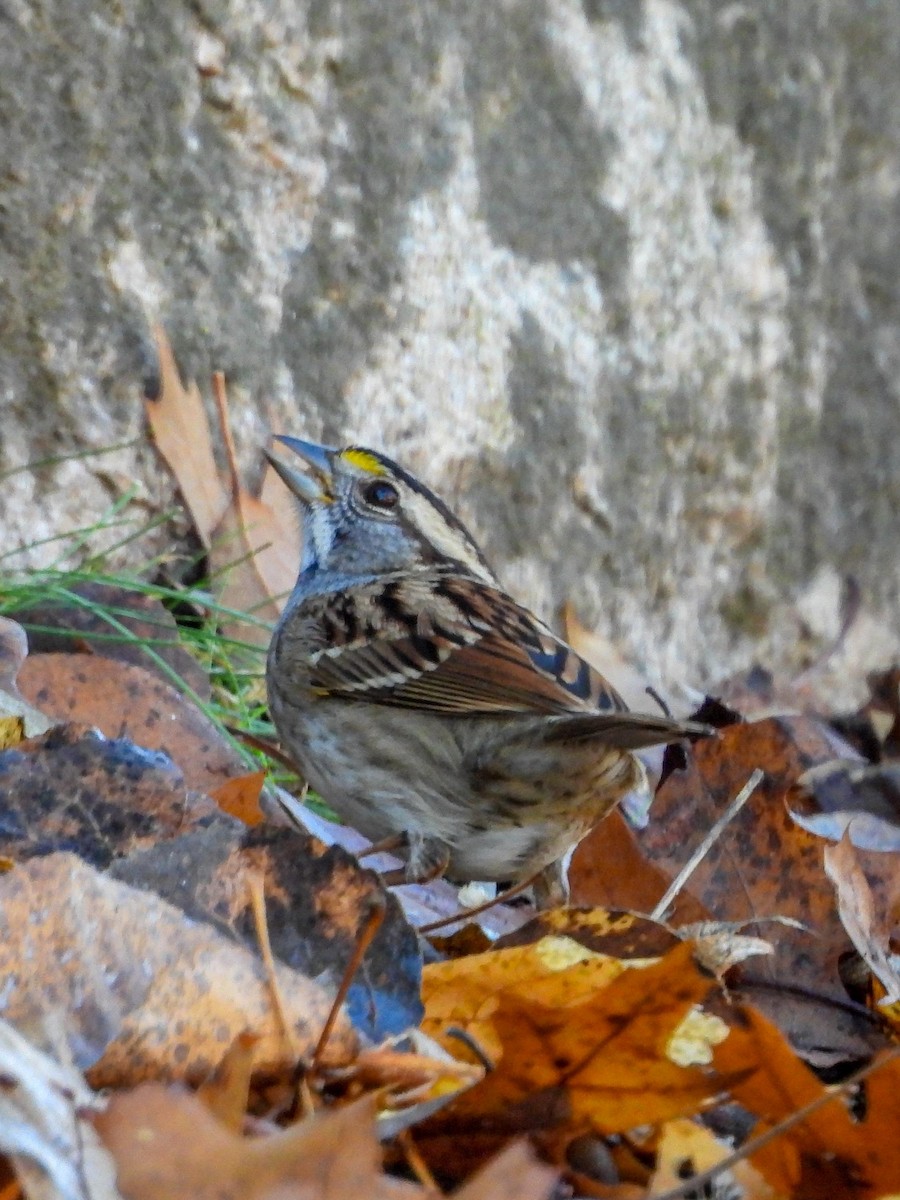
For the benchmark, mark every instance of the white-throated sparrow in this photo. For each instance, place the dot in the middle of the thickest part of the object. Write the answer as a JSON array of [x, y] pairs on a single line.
[[419, 698]]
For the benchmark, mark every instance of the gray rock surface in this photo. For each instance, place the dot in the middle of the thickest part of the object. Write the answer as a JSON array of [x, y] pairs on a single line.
[[618, 277]]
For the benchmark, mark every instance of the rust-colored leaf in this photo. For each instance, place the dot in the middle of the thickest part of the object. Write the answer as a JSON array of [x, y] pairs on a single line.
[[609, 869], [240, 797], [113, 622], [831, 1152], [127, 701]]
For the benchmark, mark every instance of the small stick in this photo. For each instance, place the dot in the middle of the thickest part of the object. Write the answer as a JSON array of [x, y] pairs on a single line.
[[712, 835], [463, 913], [370, 926], [417, 1163], [256, 888], [696, 1182], [266, 746], [221, 398]]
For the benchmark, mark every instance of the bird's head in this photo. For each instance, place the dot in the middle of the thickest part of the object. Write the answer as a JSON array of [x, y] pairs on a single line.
[[366, 516]]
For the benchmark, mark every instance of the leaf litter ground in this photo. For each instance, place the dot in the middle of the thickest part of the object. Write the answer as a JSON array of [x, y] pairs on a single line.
[[131, 955]]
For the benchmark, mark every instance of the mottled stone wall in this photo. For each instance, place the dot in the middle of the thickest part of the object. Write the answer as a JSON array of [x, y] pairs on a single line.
[[619, 278]]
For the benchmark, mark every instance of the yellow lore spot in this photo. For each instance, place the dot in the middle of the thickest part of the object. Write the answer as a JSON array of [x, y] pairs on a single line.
[[363, 460]]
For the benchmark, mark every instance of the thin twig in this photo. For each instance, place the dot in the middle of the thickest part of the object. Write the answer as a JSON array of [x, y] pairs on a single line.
[[749, 1148], [703, 849], [373, 920], [417, 1163], [266, 745], [465, 913], [256, 889], [221, 397]]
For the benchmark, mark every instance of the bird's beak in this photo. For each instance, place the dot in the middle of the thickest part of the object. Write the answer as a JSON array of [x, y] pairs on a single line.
[[318, 458]]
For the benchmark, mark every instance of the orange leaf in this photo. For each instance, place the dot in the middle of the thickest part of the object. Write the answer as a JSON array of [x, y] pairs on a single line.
[[576, 1050], [829, 1152], [240, 797]]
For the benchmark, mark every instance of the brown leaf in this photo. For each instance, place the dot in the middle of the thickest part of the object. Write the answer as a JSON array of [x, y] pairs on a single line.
[[71, 789], [240, 797], [763, 865], [127, 701], [316, 901], [610, 870], [144, 993], [256, 546], [580, 1043], [181, 431], [167, 1146], [622, 935], [830, 1153], [114, 622], [127, 811], [515, 1174], [226, 1092], [253, 543]]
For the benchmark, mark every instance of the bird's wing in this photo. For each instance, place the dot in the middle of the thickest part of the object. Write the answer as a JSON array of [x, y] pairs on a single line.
[[454, 645]]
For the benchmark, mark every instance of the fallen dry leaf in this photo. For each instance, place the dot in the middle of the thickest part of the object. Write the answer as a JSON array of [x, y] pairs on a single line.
[[126, 810], [124, 623], [585, 1046], [831, 1153], [226, 1093], [144, 992], [127, 701], [240, 797], [610, 870], [870, 931], [44, 1126], [72, 789], [762, 865], [253, 543], [168, 1146], [620, 935], [180, 429], [515, 1174]]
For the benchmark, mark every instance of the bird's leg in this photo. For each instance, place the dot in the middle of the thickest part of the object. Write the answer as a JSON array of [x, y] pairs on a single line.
[[551, 887], [428, 859], [397, 841]]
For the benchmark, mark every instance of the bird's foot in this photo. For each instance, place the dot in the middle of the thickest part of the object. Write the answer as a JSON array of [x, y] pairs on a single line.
[[428, 859]]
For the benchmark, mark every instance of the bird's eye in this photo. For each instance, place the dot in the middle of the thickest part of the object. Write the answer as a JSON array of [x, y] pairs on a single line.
[[380, 494]]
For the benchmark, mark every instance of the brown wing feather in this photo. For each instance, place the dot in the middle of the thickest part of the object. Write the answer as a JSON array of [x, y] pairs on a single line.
[[459, 646]]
